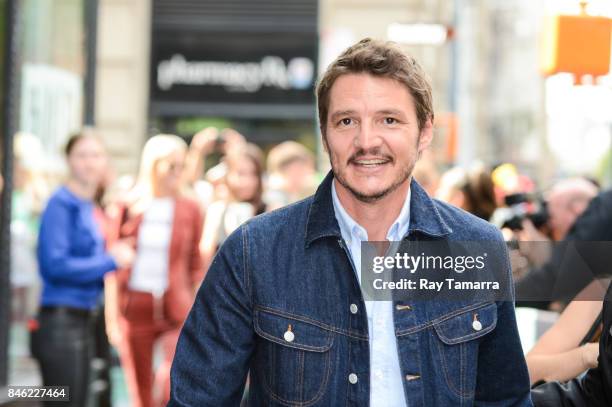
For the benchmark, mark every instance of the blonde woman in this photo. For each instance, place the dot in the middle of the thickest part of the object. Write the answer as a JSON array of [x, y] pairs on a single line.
[[154, 296]]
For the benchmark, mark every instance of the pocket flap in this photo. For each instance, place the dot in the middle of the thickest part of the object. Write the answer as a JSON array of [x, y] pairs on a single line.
[[468, 325], [304, 335]]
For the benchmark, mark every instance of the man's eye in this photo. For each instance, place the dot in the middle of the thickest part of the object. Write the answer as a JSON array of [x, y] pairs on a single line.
[[390, 120], [346, 121]]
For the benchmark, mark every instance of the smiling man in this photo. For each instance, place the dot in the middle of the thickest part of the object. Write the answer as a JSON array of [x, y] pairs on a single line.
[[283, 299]]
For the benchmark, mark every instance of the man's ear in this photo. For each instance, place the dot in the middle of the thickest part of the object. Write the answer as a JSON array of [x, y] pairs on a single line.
[[425, 136]]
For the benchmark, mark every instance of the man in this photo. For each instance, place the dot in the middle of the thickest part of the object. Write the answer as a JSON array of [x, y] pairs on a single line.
[[282, 299], [567, 200], [582, 256]]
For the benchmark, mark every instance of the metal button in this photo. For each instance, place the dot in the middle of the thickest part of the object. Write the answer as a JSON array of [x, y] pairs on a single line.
[[476, 325], [353, 308], [352, 378], [289, 335]]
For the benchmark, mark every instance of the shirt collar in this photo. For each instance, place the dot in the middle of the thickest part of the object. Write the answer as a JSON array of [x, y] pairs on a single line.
[[322, 223], [350, 228]]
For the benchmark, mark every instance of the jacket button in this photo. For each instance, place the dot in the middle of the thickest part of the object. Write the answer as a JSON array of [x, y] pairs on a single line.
[[352, 378], [354, 308], [289, 335], [411, 377], [477, 325]]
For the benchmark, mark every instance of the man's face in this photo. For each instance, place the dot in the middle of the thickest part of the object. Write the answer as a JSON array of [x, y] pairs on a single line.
[[562, 214], [372, 135]]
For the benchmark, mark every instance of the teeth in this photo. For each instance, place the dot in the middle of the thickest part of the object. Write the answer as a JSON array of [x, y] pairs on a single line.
[[370, 162]]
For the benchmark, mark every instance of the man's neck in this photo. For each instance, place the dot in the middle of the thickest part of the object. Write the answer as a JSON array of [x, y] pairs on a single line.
[[375, 217]]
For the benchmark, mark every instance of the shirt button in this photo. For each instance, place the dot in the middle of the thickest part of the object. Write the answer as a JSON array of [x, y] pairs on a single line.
[[352, 378], [354, 308]]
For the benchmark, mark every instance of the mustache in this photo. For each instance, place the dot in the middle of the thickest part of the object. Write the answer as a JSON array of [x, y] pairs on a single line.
[[374, 153]]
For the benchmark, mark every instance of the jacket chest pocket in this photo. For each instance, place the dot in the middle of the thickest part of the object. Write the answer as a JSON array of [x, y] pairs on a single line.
[[456, 341], [294, 357]]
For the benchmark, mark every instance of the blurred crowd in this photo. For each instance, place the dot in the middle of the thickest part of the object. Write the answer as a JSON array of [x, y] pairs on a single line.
[[122, 256]]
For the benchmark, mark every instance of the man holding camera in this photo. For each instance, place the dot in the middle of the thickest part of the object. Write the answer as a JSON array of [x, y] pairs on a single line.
[[580, 221]]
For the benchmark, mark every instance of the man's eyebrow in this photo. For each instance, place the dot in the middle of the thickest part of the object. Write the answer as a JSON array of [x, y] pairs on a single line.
[[340, 113], [391, 112]]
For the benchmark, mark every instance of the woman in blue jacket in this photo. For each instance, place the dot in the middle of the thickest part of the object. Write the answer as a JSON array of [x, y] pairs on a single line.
[[73, 261]]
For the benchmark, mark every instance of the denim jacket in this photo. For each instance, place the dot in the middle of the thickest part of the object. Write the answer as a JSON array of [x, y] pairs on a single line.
[[289, 271]]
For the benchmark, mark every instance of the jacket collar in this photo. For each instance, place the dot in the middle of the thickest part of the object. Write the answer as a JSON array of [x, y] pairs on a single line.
[[321, 222]]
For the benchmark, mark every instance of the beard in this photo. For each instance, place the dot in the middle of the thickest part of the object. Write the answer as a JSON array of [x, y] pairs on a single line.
[[340, 174]]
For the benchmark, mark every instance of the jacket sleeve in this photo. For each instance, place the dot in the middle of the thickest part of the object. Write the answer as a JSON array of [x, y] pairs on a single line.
[[215, 345], [574, 263], [56, 262], [502, 379]]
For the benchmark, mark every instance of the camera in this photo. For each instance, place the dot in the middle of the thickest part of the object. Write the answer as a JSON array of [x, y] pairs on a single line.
[[522, 206]]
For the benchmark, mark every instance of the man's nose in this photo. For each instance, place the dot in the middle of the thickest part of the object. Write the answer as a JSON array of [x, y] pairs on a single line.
[[367, 137]]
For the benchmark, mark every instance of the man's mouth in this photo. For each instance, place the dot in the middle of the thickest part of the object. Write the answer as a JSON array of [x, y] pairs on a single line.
[[370, 162]]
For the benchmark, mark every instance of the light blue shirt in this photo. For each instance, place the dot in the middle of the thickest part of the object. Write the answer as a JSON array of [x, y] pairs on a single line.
[[386, 386]]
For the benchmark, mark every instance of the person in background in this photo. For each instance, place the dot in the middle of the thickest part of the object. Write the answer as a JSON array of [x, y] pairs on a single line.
[[562, 353], [244, 180], [291, 174], [73, 262], [203, 144], [110, 191], [426, 173], [576, 214], [30, 192], [471, 190], [567, 200], [149, 301], [592, 389]]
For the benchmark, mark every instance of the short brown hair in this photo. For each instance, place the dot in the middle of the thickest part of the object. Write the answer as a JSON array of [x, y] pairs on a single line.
[[383, 59]]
